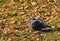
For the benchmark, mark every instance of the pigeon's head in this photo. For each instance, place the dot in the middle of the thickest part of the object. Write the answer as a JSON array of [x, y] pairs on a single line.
[[32, 19]]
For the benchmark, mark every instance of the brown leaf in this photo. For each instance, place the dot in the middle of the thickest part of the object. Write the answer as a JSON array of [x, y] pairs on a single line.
[[59, 33], [44, 40], [12, 21], [0, 21], [23, 5], [12, 27], [33, 3]]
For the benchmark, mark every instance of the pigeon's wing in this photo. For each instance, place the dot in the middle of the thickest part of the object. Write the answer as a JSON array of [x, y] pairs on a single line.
[[45, 27], [36, 25]]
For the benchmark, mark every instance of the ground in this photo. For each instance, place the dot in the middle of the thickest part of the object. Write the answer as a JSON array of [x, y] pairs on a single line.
[[15, 15]]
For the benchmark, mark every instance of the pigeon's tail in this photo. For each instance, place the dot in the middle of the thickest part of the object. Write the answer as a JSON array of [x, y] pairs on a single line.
[[46, 29]]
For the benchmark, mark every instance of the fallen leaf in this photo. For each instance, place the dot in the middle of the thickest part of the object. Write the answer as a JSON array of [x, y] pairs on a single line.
[[12, 27]]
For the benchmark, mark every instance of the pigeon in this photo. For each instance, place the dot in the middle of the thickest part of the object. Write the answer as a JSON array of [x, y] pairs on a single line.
[[38, 25]]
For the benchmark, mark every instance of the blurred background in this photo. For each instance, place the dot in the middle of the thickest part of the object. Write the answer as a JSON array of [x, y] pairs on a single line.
[[15, 15]]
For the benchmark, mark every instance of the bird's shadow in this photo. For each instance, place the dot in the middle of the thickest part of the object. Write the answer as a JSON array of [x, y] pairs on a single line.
[[57, 29], [53, 30]]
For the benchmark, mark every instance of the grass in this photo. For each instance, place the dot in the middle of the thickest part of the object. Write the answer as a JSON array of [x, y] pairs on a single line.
[[15, 15]]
